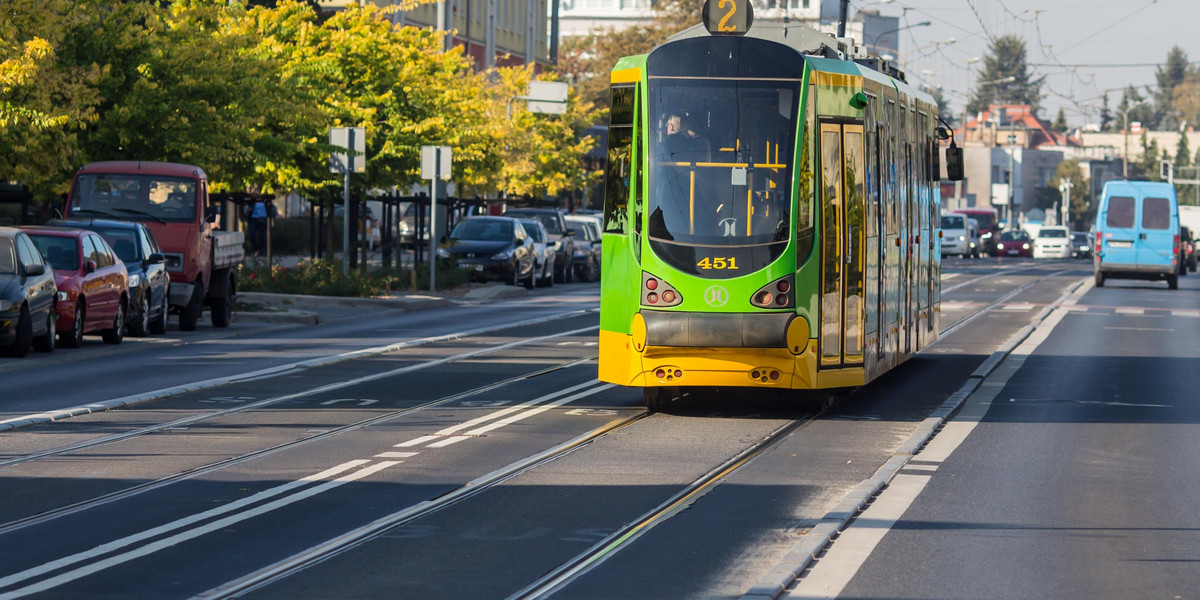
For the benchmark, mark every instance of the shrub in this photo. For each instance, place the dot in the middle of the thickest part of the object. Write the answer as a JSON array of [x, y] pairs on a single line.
[[324, 278]]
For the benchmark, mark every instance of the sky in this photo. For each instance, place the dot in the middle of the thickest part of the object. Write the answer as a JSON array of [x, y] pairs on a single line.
[[1083, 47]]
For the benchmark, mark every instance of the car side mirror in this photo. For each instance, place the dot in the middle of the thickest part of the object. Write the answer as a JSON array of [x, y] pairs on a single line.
[[156, 258], [34, 270], [89, 266], [211, 213], [954, 163], [571, 232]]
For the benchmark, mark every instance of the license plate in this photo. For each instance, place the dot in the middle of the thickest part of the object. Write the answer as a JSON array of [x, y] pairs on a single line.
[[1116, 244], [1011, 252]]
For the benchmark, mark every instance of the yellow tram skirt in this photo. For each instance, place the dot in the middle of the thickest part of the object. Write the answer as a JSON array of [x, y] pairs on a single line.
[[659, 366]]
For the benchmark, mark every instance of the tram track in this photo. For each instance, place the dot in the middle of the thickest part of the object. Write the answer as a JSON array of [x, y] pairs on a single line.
[[195, 419], [997, 302], [211, 467], [576, 566]]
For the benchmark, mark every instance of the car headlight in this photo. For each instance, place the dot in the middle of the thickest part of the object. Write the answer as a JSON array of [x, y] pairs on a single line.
[[443, 252], [581, 252], [962, 238], [1025, 246], [6, 305], [1000, 246], [502, 255], [135, 280], [62, 296], [987, 236]]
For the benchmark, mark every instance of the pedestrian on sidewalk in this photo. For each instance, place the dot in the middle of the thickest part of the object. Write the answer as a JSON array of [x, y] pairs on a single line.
[[262, 213]]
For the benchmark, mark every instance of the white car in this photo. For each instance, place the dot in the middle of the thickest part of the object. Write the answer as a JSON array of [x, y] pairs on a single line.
[[1052, 242], [956, 237]]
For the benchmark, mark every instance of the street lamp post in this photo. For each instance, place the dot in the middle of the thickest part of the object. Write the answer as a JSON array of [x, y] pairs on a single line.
[[1125, 130], [875, 40]]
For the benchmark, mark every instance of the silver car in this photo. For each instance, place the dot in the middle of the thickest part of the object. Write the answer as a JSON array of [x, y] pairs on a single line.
[[543, 253]]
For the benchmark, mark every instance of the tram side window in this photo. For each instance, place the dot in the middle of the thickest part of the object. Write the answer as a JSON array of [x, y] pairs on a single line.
[[619, 159], [807, 175]]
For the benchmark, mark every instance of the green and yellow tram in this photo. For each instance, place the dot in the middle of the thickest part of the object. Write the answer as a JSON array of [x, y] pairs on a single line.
[[770, 216]]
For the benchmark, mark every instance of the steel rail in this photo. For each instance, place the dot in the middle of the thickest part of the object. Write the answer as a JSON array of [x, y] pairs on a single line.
[[186, 421], [204, 469], [335, 546]]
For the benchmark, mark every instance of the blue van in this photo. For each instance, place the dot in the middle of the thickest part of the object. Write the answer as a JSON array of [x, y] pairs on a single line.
[[1137, 232]]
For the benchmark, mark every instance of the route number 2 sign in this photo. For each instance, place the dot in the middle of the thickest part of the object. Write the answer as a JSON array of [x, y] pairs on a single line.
[[728, 17]]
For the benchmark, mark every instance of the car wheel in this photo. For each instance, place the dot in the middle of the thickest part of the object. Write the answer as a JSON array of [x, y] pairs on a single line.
[[1099, 279], [530, 281], [560, 273], [190, 315], [222, 308], [516, 275], [1173, 282], [159, 324], [116, 333], [140, 326], [45, 342], [569, 271], [74, 337], [20, 346]]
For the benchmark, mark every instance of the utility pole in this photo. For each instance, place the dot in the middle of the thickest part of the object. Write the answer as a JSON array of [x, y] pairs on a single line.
[[1065, 187]]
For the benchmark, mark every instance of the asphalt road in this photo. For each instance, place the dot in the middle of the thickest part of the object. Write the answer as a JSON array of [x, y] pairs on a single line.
[[493, 465]]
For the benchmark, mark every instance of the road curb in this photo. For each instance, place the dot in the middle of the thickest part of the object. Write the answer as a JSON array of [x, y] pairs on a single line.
[[301, 301], [300, 317], [785, 573]]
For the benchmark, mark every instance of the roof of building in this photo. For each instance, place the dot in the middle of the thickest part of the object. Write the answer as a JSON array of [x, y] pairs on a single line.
[[1017, 116]]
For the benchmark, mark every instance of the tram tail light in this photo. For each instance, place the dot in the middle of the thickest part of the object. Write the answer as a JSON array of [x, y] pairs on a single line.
[[658, 293], [777, 294]]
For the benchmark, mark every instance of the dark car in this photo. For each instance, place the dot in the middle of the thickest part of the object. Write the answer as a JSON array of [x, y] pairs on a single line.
[[1081, 245], [93, 285], [562, 237], [27, 296], [1014, 242], [149, 282], [1187, 251], [588, 254], [495, 246]]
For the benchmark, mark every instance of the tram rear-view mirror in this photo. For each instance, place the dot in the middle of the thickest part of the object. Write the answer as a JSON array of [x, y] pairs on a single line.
[[954, 163]]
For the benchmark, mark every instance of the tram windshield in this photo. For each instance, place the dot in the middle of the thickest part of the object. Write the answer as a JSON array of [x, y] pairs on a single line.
[[720, 170]]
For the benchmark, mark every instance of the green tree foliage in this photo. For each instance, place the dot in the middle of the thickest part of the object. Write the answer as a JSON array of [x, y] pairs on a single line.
[[1169, 76], [1134, 108], [43, 101], [248, 91], [585, 61], [1006, 58], [1060, 122]]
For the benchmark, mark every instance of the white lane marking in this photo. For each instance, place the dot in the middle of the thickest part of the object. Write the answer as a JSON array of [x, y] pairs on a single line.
[[834, 570], [492, 416], [830, 574], [184, 522], [1103, 403], [1023, 306], [396, 454], [193, 533], [64, 413], [1185, 312], [1130, 311], [1138, 329], [946, 276], [519, 416]]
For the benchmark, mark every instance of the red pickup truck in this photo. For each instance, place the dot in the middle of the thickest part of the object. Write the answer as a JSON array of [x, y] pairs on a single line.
[[172, 200]]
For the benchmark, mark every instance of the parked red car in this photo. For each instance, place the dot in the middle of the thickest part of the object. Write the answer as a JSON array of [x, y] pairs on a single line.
[[93, 285], [1014, 242]]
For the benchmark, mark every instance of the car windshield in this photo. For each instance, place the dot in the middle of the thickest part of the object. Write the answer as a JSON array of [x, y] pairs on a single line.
[[1050, 232], [581, 230], [123, 242], [1013, 236], [483, 230], [535, 232], [1079, 238], [548, 220], [8, 263], [59, 251], [952, 222], [121, 196]]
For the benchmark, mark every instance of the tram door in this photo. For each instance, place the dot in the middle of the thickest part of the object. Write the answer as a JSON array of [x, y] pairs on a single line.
[[843, 252]]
